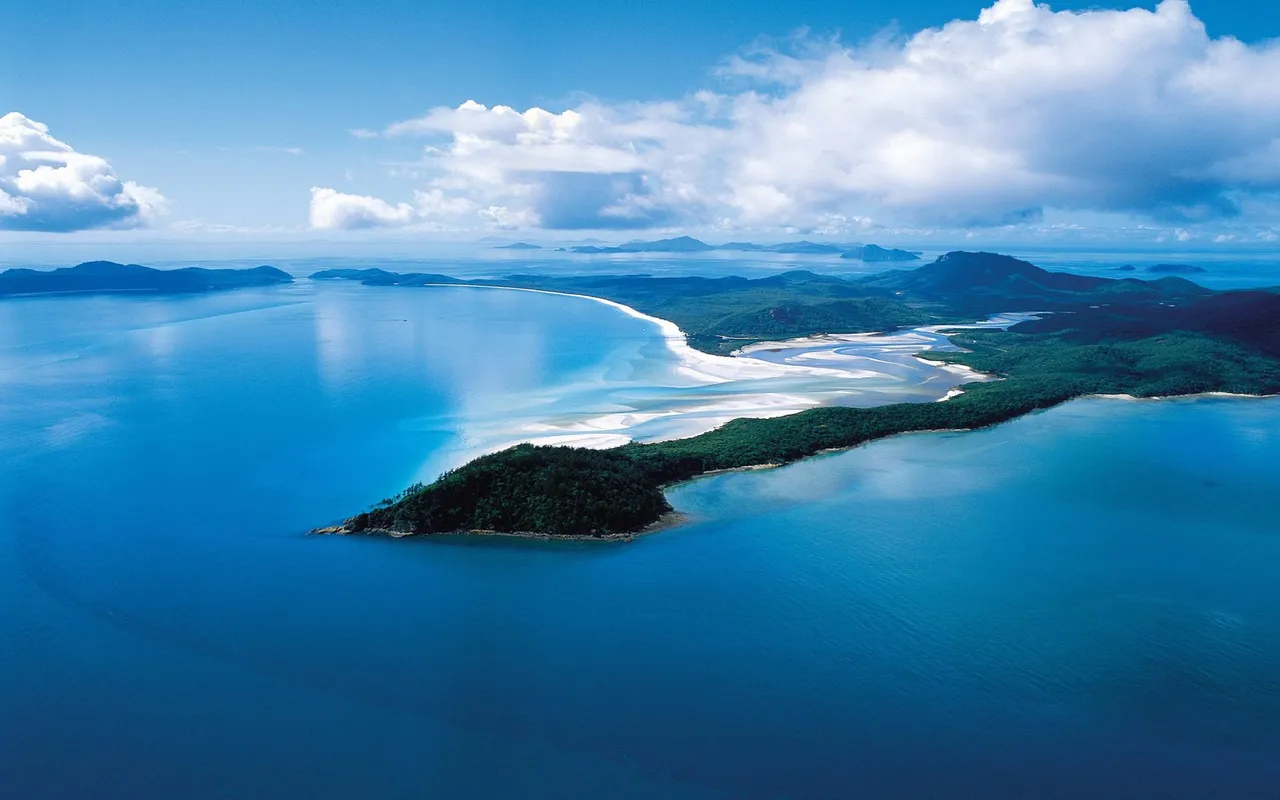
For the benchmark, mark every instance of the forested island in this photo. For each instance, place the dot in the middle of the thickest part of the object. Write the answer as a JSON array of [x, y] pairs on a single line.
[[1158, 338], [107, 277]]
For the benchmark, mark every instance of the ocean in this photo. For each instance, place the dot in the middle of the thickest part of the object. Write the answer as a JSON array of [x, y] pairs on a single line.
[[1078, 603]]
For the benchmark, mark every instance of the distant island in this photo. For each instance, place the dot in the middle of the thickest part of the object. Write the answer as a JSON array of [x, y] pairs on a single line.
[[1163, 269], [791, 248], [518, 246], [688, 244], [873, 252], [1157, 338], [680, 244], [110, 277]]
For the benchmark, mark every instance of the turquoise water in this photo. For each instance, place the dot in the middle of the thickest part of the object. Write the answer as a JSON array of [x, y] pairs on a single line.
[[1079, 603]]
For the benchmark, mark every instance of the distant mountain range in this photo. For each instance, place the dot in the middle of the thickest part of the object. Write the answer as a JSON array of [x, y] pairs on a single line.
[[718, 314], [688, 244], [109, 277]]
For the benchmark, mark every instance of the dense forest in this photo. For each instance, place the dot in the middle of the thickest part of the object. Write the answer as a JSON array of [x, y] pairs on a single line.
[[1160, 338]]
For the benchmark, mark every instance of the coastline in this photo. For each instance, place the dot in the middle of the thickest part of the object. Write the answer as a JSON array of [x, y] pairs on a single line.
[[1196, 396], [674, 518], [699, 411], [596, 432], [930, 338], [694, 364], [705, 412], [671, 519]]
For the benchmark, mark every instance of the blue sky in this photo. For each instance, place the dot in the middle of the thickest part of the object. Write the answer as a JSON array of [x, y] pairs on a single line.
[[235, 112]]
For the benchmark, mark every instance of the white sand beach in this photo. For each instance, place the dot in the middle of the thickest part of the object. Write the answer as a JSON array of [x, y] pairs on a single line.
[[699, 392], [693, 363]]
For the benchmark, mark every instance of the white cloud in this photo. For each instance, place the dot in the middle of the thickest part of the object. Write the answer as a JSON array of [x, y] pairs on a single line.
[[979, 123], [332, 210], [45, 185]]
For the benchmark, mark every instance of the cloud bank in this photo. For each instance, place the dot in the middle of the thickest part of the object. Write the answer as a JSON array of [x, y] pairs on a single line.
[[981, 122], [45, 185]]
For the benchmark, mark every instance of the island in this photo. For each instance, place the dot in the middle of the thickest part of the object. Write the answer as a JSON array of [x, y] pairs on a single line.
[[874, 252], [795, 248], [790, 248], [680, 244], [518, 246], [108, 277], [1159, 338], [688, 244]]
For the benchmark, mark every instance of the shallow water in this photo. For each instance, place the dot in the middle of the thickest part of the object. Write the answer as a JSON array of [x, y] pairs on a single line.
[[1079, 603]]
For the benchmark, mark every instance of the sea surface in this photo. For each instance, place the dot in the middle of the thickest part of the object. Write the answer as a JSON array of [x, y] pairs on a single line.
[[1080, 603]]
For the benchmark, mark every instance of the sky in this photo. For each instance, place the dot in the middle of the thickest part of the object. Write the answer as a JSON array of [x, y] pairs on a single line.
[[869, 121]]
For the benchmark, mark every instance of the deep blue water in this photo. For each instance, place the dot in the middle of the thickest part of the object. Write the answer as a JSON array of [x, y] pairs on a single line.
[[1079, 603]]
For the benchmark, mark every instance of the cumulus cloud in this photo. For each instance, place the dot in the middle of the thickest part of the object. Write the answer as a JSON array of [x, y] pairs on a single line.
[[45, 185], [331, 209], [981, 122]]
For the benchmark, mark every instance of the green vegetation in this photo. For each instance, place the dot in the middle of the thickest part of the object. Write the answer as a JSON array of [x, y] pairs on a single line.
[[571, 491], [562, 490], [1159, 338], [785, 320], [719, 315]]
